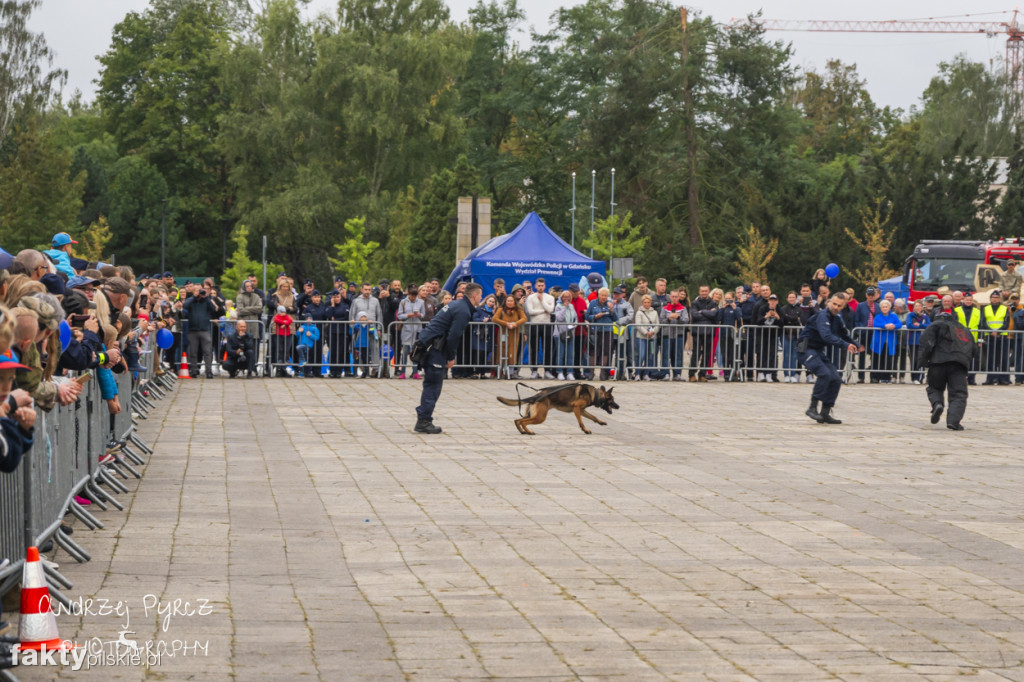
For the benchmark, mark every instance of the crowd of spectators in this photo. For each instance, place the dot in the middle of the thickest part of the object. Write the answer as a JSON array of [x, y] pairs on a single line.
[[40, 368], [591, 331]]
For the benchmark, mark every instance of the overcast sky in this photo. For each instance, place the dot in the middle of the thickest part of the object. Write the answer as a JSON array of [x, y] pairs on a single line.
[[897, 67]]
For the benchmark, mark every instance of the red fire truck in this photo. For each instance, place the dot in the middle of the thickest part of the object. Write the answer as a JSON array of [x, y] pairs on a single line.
[[968, 266]]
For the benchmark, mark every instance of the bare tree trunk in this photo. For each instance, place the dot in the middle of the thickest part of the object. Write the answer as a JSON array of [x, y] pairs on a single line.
[[691, 140]]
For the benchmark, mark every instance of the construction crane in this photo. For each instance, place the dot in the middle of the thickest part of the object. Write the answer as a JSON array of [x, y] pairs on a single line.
[[1012, 29]]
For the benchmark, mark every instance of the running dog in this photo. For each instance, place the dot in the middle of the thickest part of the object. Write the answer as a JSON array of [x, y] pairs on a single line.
[[573, 398]]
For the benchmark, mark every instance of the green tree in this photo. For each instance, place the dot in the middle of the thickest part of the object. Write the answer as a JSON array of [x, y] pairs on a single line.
[[430, 249], [240, 265], [842, 117], [161, 96], [137, 198], [26, 77], [616, 237], [93, 240], [354, 252], [1011, 208], [876, 243], [38, 195], [970, 102], [754, 254]]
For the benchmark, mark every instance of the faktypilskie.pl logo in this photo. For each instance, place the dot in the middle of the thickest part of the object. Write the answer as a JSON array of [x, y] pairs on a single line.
[[126, 649]]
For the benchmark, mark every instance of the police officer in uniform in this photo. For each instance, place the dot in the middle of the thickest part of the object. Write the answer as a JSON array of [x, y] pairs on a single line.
[[947, 348], [825, 329], [442, 337], [996, 318], [970, 317]]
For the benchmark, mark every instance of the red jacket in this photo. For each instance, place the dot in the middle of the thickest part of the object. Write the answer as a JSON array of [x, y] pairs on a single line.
[[580, 304], [283, 325]]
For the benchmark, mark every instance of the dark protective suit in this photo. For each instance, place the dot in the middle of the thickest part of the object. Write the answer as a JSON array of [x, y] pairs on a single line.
[[823, 330], [947, 349], [443, 335]]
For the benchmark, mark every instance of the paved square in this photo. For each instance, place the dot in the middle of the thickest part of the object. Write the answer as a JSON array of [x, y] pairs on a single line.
[[709, 532]]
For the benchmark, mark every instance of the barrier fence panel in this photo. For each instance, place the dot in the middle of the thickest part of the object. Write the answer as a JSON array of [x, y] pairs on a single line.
[[226, 361], [331, 348], [768, 353], [698, 352], [587, 350], [662, 356], [891, 356], [480, 352], [12, 518]]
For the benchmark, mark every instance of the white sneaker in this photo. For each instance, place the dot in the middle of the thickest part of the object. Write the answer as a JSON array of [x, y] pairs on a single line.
[[810, 379], [570, 376], [761, 377], [561, 376], [548, 374], [916, 382], [535, 375]]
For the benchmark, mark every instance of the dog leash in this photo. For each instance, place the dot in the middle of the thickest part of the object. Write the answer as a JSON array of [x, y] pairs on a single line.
[[519, 399]]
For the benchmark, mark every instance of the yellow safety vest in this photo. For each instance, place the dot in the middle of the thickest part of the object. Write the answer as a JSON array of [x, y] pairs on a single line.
[[995, 318], [975, 321]]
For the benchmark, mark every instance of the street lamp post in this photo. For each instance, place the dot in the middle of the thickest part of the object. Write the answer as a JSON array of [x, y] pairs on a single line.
[[593, 184], [163, 236], [572, 211], [611, 245]]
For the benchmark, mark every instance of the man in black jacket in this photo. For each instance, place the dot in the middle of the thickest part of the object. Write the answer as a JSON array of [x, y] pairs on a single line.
[[200, 310], [241, 354], [704, 311], [947, 348], [443, 336]]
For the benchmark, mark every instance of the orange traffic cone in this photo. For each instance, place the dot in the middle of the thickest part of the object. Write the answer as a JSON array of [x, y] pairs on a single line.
[[37, 627], [183, 367]]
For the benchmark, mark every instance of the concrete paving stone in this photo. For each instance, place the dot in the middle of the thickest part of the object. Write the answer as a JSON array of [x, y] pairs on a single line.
[[772, 549]]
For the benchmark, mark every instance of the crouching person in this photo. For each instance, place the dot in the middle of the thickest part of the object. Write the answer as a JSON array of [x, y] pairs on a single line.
[[241, 352]]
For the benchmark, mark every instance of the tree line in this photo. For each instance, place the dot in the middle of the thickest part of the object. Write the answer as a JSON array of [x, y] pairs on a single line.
[[221, 124]]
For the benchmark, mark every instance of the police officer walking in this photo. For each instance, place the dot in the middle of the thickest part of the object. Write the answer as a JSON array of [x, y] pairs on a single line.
[[825, 328], [442, 337], [947, 349]]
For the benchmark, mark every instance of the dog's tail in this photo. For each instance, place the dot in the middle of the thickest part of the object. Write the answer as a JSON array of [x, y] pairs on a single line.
[[508, 401]]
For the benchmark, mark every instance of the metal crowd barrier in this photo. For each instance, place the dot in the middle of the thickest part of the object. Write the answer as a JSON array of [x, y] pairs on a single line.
[[221, 331], [64, 462], [766, 353], [891, 356], [747, 353], [344, 348], [590, 352]]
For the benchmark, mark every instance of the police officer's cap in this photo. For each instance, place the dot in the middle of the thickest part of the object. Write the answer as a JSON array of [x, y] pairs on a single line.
[[995, 293]]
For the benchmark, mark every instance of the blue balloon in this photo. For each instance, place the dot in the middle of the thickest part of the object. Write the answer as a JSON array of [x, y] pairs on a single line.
[[164, 338], [831, 270], [65, 335]]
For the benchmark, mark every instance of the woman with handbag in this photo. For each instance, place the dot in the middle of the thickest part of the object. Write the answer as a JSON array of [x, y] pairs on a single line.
[[564, 332], [510, 318]]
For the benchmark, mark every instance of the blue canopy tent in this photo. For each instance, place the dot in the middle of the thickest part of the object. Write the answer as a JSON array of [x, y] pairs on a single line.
[[895, 285], [530, 251]]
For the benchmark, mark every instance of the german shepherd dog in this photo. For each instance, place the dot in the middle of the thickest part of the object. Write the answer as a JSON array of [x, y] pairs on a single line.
[[573, 398]]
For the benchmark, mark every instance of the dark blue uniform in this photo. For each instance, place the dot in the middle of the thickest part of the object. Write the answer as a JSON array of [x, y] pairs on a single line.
[[823, 331], [443, 335]]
